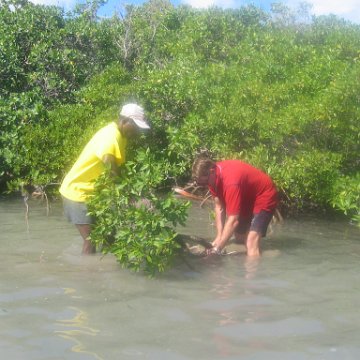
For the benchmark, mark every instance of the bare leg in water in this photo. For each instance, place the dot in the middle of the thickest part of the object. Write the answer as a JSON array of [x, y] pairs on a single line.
[[251, 240], [253, 243], [84, 230]]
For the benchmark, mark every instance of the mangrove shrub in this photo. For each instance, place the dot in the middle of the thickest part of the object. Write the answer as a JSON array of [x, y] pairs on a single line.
[[134, 221], [277, 89]]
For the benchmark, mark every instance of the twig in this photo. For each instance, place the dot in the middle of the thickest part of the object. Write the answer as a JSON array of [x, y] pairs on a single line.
[[206, 199], [25, 198]]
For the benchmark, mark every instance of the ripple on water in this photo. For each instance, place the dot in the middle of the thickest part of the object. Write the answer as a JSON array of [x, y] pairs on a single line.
[[292, 326], [229, 304]]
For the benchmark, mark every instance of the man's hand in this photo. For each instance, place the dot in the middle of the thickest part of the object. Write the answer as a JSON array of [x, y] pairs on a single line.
[[110, 160], [213, 251], [223, 236]]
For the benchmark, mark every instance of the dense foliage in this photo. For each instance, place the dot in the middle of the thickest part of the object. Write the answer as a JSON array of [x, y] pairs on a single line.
[[279, 90], [45, 57], [134, 222]]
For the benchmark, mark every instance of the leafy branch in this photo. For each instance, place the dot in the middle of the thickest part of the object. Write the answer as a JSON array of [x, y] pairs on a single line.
[[133, 221]]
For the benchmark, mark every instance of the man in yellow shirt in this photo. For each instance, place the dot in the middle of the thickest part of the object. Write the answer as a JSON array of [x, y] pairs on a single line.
[[107, 146]]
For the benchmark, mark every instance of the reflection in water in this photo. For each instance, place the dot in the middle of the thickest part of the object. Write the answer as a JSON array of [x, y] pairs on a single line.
[[251, 265], [296, 302], [77, 326], [223, 288], [223, 291], [232, 291]]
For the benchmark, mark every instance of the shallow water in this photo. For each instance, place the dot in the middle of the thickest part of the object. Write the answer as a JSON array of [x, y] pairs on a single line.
[[300, 301]]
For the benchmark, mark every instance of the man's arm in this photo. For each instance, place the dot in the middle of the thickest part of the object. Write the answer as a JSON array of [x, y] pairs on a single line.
[[219, 219], [232, 199], [225, 228], [229, 228], [111, 160]]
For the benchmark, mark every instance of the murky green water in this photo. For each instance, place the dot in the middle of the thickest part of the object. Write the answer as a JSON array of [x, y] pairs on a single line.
[[300, 301]]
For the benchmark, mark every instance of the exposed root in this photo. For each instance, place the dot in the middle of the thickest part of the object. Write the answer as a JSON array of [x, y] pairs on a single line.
[[276, 220], [35, 192], [190, 192]]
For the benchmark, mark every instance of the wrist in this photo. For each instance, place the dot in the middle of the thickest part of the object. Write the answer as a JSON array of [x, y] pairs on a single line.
[[216, 250]]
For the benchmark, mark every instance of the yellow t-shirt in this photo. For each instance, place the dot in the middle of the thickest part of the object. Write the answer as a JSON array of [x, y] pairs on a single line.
[[79, 182]]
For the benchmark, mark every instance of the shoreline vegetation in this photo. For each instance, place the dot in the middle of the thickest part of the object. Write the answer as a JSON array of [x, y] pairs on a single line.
[[277, 89]]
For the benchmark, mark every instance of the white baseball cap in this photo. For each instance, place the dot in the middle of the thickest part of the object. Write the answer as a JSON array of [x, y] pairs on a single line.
[[136, 113]]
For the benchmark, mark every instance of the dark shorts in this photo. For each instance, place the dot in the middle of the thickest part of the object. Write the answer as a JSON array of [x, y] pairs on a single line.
[[76, 212], [259, 223]]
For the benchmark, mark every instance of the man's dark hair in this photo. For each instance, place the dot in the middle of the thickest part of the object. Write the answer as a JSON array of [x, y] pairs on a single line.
[[202, 166]]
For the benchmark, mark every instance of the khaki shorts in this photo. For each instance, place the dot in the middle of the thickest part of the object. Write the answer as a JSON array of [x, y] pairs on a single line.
[[77, 212]]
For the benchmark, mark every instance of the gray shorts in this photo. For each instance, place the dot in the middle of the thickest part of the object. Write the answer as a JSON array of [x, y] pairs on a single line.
[[77, 212], [258, 222]]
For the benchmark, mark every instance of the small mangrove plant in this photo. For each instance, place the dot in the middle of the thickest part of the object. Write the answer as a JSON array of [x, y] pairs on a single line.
[[134, 220]]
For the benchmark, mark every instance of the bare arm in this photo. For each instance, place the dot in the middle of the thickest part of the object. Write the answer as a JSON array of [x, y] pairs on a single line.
[[230, 225], [110, 160], [225, 227], [219, 219]]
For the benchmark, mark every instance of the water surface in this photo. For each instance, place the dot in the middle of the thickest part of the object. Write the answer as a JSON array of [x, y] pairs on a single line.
[[300, 301]]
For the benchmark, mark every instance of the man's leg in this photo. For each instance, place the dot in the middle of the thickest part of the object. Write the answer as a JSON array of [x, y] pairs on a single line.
[[253, 243], [258, 228], [84, 230], [77, 213]]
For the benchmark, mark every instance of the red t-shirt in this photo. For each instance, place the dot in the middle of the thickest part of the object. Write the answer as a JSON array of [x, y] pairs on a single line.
[[243, 189]]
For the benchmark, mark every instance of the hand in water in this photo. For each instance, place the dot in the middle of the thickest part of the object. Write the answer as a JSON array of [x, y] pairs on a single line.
[[213, 251]]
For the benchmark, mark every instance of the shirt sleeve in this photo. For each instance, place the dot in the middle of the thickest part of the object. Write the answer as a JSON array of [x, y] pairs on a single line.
[[108, 144], [109, 147], [232, 198]]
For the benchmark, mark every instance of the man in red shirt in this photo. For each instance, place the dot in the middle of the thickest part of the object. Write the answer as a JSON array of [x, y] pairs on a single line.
[[245, 201]]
